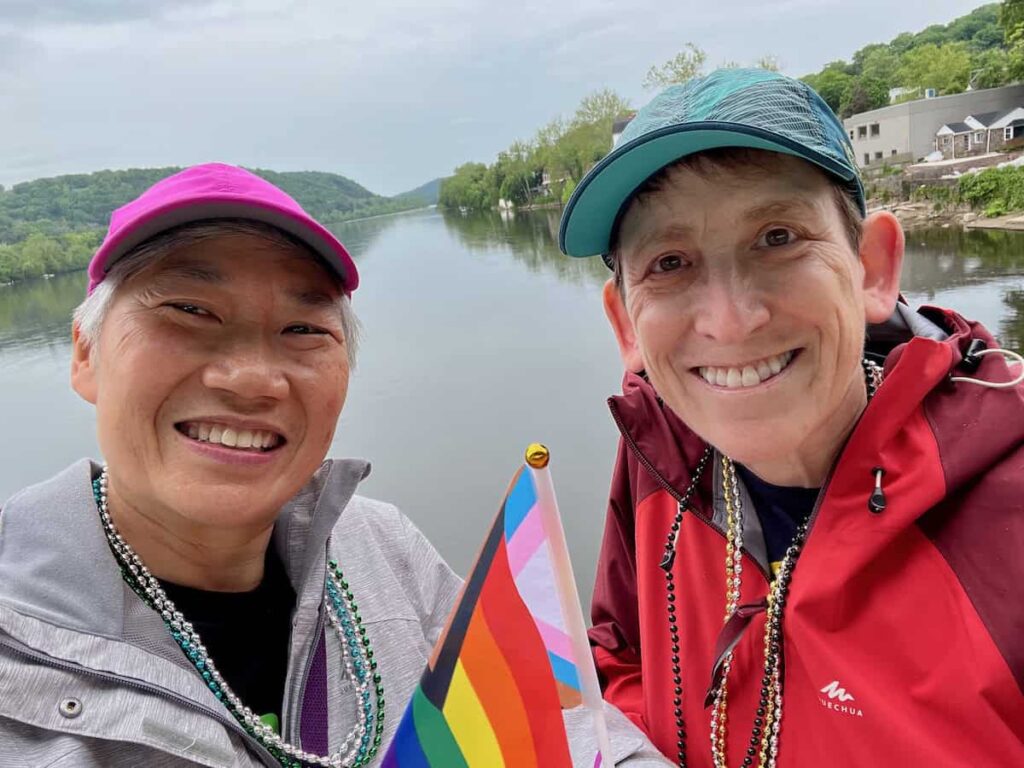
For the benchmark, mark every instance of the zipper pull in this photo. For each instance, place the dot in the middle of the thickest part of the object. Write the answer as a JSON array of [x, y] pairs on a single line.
[[877, 501]]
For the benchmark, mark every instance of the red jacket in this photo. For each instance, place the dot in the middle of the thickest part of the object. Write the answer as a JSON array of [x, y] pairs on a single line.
[[916, 613]]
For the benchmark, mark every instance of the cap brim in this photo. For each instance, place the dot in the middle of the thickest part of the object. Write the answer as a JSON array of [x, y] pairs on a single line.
[[307, 230], [594, 208]]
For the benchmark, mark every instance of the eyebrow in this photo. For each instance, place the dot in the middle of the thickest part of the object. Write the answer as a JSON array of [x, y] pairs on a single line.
[[781, 208], [192, 270], [669, 233]]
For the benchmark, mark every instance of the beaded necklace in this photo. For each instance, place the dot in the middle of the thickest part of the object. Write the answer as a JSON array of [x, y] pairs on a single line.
[[767, 727], [362, 742]]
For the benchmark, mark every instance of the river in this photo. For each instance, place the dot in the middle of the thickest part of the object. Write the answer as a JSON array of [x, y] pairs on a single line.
[[479, 339]]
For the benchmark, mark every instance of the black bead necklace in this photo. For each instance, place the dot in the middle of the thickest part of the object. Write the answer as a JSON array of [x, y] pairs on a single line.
[[764, 740]]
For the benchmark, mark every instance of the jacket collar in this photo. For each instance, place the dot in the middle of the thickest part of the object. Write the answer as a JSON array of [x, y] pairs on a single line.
[[56, 565]]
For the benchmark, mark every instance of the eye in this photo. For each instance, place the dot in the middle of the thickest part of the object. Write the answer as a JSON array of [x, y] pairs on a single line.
[[670, 262], [190, 309], [776, 237], [299, 329]]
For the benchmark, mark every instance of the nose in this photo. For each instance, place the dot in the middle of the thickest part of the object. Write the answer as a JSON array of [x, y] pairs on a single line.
[[249, 370], [729, 307]]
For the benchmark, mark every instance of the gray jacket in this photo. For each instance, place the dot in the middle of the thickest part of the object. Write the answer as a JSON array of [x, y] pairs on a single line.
[[90, 677]]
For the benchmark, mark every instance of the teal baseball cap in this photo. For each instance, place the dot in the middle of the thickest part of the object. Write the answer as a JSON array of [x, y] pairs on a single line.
[[751, 108]]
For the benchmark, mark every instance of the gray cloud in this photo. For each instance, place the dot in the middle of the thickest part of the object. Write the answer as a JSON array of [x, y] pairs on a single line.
[[389, 93], [33, 12]]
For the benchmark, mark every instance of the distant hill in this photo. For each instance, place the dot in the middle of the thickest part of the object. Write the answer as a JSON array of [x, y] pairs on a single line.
[[53, 225], [427, 193]]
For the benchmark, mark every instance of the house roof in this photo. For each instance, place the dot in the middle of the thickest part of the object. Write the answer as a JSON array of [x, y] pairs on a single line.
[[987, 118], [1014, 123], [958, 127]]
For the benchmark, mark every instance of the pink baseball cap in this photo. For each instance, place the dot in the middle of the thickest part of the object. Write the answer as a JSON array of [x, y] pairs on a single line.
[[215, 191]]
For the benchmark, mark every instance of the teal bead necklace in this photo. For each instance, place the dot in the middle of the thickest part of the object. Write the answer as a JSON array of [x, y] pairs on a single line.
[[362, 742]]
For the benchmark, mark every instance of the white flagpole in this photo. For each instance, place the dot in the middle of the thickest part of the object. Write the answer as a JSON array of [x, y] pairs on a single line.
[[537, 457]]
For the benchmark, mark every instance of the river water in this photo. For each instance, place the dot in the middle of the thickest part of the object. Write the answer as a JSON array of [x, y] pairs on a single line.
[[479, 339]]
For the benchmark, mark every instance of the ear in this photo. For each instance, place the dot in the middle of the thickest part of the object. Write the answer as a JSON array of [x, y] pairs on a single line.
[[615, 310], [83, 372], [881, 254]]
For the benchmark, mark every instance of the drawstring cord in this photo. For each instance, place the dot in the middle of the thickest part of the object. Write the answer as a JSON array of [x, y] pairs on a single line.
[[1011, 357], [971, 361]]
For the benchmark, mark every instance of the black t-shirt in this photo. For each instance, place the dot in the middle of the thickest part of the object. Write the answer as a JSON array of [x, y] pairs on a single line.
[[245, 633], [780, 509]]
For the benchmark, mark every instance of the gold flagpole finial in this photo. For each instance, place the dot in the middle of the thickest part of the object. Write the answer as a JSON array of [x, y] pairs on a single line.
[[537, 455]]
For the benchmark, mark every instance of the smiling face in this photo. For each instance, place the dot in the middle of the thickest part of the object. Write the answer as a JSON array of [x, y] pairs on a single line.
[[745, 303], [218, 378]]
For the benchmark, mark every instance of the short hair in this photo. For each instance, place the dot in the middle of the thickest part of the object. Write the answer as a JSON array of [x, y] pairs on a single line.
[[730, 159], [90, 314]]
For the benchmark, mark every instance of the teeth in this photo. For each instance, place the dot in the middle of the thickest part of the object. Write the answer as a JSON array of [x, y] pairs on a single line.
[[747, 376], [252, 439]]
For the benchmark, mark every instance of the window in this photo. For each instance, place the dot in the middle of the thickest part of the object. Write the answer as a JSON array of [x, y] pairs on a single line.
[[874, 130], [893, 153], [851, 134], [1007, 133], [867, 159], [862, 131], [878, 155], [979, 137]]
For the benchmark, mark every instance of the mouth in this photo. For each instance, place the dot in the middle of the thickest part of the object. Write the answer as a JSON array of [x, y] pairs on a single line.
[[216, 433], [748, 375]]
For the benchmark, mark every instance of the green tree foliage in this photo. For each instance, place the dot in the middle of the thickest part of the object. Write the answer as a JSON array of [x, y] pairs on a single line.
[[54, 225], [946, 68], [832, 83], [563, 149], [685, 65], [969, 50]]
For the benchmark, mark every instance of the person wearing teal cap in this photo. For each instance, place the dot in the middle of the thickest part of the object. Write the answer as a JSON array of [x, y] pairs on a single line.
[[816, 511]]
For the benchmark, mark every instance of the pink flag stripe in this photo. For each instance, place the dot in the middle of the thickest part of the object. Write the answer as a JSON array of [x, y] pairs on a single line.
[[525, 541], [555, 640]]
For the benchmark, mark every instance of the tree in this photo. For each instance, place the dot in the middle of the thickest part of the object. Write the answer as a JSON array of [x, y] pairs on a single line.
[[863, 94], [990, 69], [769, 61], [600, 106], [946, 68], [685, 65], [831, 83], [879, 63]]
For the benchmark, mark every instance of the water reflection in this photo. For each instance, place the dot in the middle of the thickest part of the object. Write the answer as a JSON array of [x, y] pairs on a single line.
[[38, 312], [531, 237], [978, 272]]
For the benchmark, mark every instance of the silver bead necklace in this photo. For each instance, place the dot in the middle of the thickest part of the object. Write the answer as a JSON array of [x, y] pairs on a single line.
[[362, 742]]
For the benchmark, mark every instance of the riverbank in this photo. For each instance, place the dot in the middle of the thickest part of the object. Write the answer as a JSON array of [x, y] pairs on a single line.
[[924, 215]]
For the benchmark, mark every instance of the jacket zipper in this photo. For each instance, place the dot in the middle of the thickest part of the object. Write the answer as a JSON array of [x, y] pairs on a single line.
[[48, 661], [295, 728], [646, 464]]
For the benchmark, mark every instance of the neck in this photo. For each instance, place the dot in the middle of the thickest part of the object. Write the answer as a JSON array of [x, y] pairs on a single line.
[[182, 552], [809, 463]]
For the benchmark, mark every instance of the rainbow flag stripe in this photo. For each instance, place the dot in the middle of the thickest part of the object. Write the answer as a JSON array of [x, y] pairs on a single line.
[[493, 692]]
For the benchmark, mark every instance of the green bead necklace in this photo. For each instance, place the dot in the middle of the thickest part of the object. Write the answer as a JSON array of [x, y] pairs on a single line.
[[362, 742]]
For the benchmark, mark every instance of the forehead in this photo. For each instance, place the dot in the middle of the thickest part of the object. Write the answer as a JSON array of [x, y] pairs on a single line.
[[235, 260], [732, 188]]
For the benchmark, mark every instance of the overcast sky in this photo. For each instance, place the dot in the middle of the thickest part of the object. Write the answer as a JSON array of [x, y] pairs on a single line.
[[390, 93]]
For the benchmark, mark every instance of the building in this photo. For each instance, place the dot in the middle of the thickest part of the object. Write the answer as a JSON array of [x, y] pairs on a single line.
[[980, 134], [619, 126], [907, 132]]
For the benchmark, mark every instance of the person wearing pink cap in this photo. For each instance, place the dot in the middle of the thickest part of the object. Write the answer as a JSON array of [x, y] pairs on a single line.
[[215, 593]]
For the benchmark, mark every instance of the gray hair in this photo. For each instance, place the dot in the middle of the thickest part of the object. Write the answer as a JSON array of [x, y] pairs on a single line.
[[89, 315]]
